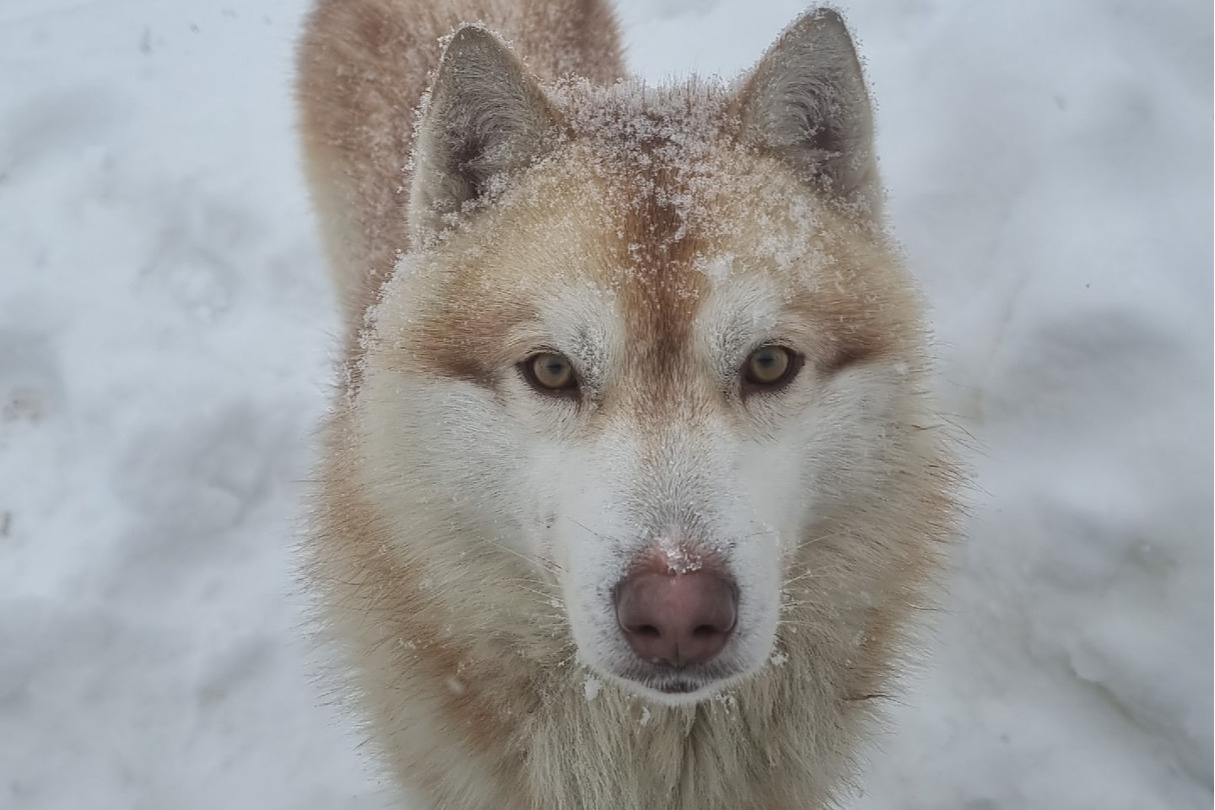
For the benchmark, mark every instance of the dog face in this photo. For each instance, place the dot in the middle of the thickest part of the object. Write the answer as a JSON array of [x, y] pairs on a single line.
[[654, 360]]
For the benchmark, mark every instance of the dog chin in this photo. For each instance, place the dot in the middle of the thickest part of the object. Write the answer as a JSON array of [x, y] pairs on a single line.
[[675, 688]]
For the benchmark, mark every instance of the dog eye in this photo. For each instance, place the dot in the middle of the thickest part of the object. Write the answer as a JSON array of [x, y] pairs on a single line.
[[770, 367], [550, 373]]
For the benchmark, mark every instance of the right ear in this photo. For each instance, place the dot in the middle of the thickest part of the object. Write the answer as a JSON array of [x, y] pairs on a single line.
[[485, 118], [807, 102]]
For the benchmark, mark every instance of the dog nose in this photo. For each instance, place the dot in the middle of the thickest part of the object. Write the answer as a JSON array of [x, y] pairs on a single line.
[[676, 618]]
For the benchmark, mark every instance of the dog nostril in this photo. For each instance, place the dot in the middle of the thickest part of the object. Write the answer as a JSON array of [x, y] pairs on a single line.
[[676, 619]]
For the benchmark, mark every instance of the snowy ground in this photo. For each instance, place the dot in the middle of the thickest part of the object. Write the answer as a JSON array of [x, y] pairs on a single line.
[[165, 325]]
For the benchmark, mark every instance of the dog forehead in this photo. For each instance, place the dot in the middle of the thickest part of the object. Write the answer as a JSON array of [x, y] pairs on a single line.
[[704, 239], [604, 224], [662, 220], [706, 252], [620, 237]]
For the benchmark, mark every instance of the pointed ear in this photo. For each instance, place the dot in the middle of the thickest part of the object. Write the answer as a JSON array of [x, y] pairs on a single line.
[[806, 101], [484, 119]]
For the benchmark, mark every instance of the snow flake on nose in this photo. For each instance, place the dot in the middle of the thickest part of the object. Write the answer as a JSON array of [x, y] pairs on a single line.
[[678, 558]]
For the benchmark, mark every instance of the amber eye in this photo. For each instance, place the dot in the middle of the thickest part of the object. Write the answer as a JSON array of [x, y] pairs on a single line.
[[550, 372], [770, 366]]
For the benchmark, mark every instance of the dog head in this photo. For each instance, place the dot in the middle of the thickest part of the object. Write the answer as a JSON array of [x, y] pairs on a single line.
[[652, 364]]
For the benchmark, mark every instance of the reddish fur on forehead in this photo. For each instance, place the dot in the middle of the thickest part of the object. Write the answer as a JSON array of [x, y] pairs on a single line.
[[631, 213], [661, 290]]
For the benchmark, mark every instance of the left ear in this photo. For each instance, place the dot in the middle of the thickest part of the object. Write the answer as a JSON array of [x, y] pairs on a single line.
[[486, 117], [806, 102]]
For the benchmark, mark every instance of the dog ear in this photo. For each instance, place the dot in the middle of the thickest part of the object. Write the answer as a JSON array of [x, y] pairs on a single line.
[[806, 102], [485, 118]]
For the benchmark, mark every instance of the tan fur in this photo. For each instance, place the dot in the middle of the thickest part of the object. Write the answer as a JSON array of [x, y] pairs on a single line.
[[459, 647]]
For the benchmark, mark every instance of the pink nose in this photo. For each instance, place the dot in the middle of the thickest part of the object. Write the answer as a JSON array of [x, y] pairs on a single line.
[[676, 619]]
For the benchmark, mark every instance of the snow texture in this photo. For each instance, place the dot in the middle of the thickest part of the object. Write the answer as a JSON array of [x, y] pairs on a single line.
[[165, 335]]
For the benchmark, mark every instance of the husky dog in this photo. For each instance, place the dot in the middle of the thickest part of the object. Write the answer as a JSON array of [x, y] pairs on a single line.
[[633, 485]]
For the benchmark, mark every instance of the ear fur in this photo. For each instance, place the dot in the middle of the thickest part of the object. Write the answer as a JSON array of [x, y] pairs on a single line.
[[806, 101], [485, 118]]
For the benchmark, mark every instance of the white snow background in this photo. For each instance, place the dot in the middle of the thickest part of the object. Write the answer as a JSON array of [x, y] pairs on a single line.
[[166, 327]]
